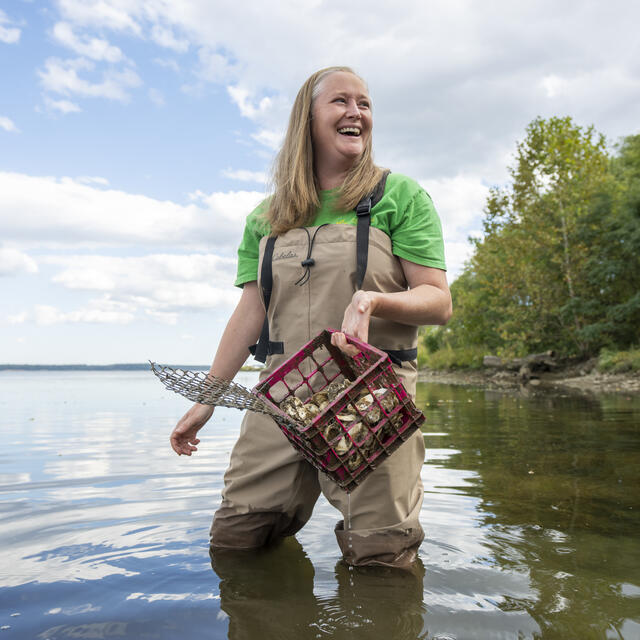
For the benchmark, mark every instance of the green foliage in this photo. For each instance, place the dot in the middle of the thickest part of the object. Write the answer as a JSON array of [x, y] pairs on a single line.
[[558, 266], [469, 357], [619, 361]]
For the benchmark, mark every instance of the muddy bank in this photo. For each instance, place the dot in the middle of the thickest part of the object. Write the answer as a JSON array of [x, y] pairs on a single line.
[[580, 378]]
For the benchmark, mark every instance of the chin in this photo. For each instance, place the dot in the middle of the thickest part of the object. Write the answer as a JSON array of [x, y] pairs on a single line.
[[353, 153]]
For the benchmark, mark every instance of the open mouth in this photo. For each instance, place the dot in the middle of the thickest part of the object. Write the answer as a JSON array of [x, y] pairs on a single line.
[[349, 131]]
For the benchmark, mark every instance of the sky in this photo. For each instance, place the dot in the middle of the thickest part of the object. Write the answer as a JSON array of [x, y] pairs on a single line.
[[136, 135]]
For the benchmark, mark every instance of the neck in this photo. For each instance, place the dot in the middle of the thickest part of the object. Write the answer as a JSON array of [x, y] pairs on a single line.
[[330, 177]]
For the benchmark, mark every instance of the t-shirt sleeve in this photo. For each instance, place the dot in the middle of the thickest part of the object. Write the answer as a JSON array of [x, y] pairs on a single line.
[[416, 232], [248, 251]]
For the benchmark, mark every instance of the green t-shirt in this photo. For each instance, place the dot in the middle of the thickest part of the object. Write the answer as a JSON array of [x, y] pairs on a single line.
[[405, 213]]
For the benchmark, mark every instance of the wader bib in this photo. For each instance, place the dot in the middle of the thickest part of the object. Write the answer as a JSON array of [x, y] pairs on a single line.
[[270, 490]]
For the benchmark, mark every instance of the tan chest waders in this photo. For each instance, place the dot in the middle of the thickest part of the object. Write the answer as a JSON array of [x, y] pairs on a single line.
[[307, 278]]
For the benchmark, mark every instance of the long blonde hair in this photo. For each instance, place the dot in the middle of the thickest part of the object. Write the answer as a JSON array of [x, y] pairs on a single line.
[[295, 190]]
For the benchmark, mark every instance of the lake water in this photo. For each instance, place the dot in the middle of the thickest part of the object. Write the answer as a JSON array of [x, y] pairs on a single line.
[[531, 511]]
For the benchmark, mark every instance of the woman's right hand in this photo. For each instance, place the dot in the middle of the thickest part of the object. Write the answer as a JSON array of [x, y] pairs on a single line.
[[184, 437]]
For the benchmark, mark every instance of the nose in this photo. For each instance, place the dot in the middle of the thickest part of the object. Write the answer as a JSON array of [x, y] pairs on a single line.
[[353, 110]]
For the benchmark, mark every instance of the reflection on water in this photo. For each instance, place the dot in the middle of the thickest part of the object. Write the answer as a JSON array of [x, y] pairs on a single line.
[[531, 513], [272, 590]]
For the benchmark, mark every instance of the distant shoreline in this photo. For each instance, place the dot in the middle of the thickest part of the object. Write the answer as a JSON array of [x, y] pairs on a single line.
[[141, 366]]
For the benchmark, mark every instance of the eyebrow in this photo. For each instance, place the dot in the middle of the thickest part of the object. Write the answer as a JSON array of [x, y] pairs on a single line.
[[361, 96]]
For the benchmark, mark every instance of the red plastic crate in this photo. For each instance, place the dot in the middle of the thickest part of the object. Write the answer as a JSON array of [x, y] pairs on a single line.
[[313, 368]]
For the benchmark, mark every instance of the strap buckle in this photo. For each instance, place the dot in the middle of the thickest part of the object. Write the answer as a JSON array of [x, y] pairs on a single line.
[[363, 207]]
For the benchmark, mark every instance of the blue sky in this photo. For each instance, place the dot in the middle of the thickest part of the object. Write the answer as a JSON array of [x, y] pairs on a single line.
[[136, 135]]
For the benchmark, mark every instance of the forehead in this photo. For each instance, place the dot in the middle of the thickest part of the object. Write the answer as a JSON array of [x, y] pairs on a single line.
[[342, 82]]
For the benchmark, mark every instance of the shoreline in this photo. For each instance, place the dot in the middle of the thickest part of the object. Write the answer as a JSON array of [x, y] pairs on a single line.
[[572, 379]]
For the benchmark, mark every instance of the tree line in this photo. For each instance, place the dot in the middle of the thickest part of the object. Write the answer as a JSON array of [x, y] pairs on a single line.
[[558, 263]]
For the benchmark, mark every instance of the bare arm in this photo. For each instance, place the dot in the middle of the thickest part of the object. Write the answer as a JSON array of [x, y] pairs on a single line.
[[242, 330], [427, 301]]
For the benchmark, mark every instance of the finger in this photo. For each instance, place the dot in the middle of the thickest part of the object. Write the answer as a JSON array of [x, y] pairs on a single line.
[[341, 342]]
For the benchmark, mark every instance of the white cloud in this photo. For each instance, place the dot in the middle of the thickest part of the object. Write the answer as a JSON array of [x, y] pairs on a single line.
[[46, 315], [269, 138], [215, 67], [93, 180], [109, 14], [553, 85], [243, 175], [8, 35], [242, 98], [62, 76], [57, 212], [459, 202], [13, 262], [165, 37], [18, 318], [159, 285], [64, 106], [8, 125], [164, 317], [167, 63], [571, 89], [456, 254], [94, 48]]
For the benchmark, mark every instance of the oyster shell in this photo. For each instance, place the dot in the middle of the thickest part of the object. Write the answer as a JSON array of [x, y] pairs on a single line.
[[332, 430], [342, 446], [346, 418], [291, 406], [320, 399], [336, 387], [358, 432], [387, 399], [312, 409], [355, 461], [369, 409], [304, 415]]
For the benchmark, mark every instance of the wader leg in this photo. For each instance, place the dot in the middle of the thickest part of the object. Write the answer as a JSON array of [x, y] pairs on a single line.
[[385, 509], [269, 492]]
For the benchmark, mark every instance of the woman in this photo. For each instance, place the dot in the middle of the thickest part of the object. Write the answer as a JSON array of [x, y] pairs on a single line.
[[380, 292]]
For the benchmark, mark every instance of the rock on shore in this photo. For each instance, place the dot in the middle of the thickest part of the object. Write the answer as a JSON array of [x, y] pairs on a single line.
[[582, 377]]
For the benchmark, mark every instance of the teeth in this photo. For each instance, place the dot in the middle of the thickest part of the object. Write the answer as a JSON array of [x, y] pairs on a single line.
[[353, 130]]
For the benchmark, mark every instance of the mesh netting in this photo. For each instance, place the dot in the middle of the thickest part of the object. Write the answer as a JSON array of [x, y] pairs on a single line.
[[207, 389]]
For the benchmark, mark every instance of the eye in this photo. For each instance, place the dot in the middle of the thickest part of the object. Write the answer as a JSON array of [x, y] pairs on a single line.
[[339, 100], [364, 103]]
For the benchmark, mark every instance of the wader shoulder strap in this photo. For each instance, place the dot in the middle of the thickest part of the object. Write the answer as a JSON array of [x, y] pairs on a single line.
[[363, 211], [265, 347]]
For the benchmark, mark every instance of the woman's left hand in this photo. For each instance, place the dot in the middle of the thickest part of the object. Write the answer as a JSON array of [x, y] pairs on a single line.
[[355, 322]]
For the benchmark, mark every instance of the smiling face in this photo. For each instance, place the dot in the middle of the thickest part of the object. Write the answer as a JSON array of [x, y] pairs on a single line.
[[341, 121]]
